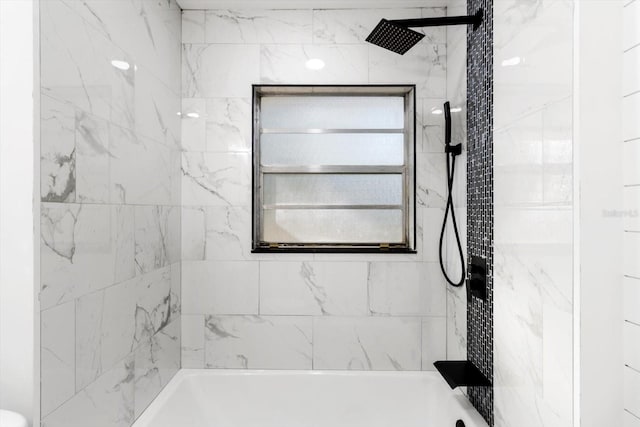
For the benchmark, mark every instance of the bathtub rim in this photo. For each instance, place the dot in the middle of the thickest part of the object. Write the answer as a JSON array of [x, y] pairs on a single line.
[[184, 373]]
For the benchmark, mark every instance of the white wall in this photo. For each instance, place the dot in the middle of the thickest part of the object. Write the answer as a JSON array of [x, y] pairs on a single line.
[[631, 210], [18, 313]]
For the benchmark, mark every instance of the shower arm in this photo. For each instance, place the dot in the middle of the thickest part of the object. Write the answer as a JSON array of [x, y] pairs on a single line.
[[474, 20]]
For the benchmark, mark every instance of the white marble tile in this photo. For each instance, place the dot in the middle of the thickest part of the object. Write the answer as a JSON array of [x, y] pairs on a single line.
[[431, 178], [194, 223], [202, 76], [192, 341], [285, 64], [193, 26], [432, 139], [57, 151], [434, 341], [139, 169], [83, 248], [220, 287], [228, 233], [406, 288], [157, 360], [157, 237], [540, 35], [431, 228], [258, 342], [351, 26], [57, 356], [367, 343], [88, 339], [424, 65], [76, 66], [228, 126], [157, 302], [148, 31], [107, 402], [308, 288], [156, 109], [92, 159], [216, 179], [258, 26], [194, 124], [456, 323]]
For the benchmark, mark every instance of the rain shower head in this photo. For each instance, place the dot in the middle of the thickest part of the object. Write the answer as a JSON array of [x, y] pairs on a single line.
[[393, 37], [397, 35]]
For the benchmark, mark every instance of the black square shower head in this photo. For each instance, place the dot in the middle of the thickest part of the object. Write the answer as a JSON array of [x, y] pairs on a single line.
[[396, 38]]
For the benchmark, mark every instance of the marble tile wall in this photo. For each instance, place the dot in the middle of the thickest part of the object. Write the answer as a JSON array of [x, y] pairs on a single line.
[[301, 311], [631, 268], [533, 160], [110, 217]]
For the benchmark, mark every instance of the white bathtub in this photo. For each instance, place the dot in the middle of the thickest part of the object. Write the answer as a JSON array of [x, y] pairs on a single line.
[[238, 398]]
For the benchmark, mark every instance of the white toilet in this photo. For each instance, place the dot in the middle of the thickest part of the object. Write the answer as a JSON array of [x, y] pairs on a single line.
[[12, 419]]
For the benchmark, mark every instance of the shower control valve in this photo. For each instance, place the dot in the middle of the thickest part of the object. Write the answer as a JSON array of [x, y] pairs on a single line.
[[456, 150]]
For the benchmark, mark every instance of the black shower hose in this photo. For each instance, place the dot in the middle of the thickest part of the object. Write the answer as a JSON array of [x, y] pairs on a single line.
[[451, 167]]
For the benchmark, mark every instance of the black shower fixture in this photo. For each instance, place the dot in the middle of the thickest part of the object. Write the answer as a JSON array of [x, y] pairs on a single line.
[[397, 36]]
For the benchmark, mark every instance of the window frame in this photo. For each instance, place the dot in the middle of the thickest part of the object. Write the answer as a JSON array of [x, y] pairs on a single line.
[[408, 170]]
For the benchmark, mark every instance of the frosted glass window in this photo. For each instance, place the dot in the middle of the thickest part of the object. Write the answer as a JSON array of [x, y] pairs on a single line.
[[332, 189], [332, 112], [332, 149], [333, 168], [333, 226]]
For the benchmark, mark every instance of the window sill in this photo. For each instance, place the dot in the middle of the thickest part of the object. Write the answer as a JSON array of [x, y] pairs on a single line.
[[299, 250]]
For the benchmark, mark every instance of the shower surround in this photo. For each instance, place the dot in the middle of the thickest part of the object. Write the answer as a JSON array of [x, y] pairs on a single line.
[[110, 215], [301, 311]]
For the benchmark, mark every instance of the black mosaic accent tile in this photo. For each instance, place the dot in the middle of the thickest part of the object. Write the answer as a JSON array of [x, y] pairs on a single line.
[[480, 197]]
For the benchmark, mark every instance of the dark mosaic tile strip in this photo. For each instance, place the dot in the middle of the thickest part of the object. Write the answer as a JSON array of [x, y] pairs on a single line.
[[480, 197]]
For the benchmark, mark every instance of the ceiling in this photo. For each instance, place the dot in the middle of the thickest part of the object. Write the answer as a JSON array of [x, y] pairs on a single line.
[[307, 4]]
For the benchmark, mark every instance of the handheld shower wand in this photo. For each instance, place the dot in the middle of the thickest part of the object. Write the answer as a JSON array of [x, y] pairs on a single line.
[[452, 151]]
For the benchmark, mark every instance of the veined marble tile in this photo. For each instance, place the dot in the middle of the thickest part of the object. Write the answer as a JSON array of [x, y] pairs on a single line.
[[192, 341], [307, 288], [88, 339], [367, 343], [434, 341], [431, 180], [456, 323], [57, 364], [212, 287], [194, 124], [433, 126], [57, 151], [76, 66], [107, 402], [148, 31], [286, 64], [424, 65], [157, 237], [139, 169], [83, 248], [431, 227], [406, 288], [156, 361], [258, 342], [194, 224], [228, 233], [193, 26], [258, 26], [540, 37], [228, 125], [352, 26], [216, 179], [157, 302], [92, 159], [156, 109], [203, 77]]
